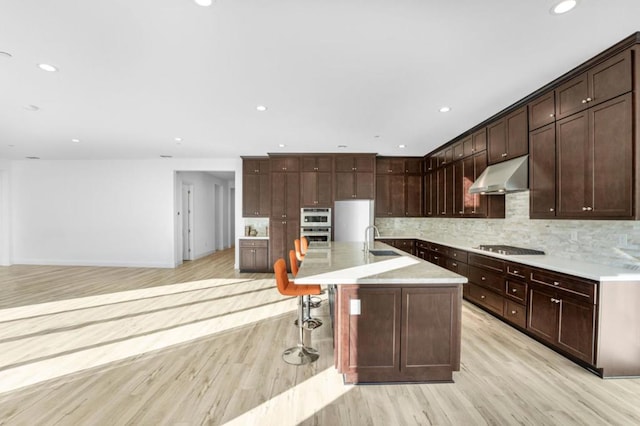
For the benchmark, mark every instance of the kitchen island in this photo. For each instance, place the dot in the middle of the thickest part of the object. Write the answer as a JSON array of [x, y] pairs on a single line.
[[396, 318]]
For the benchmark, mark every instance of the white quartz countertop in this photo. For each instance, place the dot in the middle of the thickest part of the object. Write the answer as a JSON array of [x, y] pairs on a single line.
[[588, 270], [347, 263]]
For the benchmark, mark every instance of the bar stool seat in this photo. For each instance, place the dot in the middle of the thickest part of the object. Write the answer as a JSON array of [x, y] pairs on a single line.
[[299, 354]]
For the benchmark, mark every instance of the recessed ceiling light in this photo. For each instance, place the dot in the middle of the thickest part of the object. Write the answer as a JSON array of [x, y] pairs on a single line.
[[32, 107], [5, 55], [342, 146], [75, 140], [204, 3], [47, 67], [261, 108], [281, 145], [377, 136], [178, 140], [563, 7], [402, 146], [445, 109], [166, 156], [32, 158]]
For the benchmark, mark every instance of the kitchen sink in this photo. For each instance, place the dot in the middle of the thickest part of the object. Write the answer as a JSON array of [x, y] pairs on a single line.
[[384, 253]]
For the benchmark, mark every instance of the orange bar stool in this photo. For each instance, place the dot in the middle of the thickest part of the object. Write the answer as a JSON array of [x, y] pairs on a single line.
[[300, 354], [309, 322], [299, 253], [304, 242]]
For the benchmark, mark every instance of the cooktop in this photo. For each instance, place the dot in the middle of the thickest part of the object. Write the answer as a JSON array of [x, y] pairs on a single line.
[[508, 250]]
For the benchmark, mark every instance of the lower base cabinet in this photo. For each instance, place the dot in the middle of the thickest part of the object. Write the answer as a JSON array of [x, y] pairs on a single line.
[[254, 255], [398, 334]]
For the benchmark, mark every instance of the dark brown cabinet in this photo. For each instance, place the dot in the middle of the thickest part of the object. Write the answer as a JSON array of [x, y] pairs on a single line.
[[397, 335], [562, 321], [605, 81], [542, 172], [430, 194], [398, 187], [284, 226], [594, 162], [354, 177], [256, 189], [542, 111], [477, 142], [404, 244], [282, 232], [254, 255], [316, 181], [508, 137]]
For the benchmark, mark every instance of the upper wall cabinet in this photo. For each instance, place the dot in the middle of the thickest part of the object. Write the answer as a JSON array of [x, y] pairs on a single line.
[[316, 181], [256, 187], [508, 137], [599, 84], [355, 177], [542, 111], [398, 187]]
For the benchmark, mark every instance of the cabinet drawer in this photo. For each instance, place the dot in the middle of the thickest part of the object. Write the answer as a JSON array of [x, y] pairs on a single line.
[[516, 290], [486, 278], [437, 248], [458, 255], [456, 266], [254, 243], [580, 289], [486, 298], [517, 271], [486, 262], [515, 313]]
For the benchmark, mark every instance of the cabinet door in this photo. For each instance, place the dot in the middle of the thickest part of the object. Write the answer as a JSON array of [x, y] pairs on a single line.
[[467, 146], [344, 187], [571, 97], [497, 141], [364, 185], [458, 188], [469, 201], [325, 186], [292, 196], [251, 195], [430, 195], [370, 340], [413, 165], [427, 346], [543, 314], [262, 259], [396, 188], [573, 162], [542, 172], [611, 78], [441, 175], [344, 163], [383, 200], [365, 163], [281, 236], [413, 195], [247, 259], [479, 141], [577, 329], [458, 150], [309, 189], [611, 139], [481, 202], [542, 111], [517, 133]]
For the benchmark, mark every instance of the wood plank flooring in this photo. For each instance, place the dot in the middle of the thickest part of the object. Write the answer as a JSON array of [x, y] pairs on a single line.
[[201, 344]]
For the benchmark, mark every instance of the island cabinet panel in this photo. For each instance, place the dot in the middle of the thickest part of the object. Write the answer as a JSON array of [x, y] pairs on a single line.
[[398, 333], [373, 335], [429, 348]]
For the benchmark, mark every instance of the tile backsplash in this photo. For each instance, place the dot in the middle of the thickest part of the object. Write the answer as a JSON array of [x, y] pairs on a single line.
[[610, 242]]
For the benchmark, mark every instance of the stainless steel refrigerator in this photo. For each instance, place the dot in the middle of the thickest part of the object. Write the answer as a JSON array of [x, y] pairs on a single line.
[[351, 219]]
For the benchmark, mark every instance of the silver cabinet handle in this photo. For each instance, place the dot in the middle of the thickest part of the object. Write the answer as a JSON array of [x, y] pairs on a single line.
[[483, 297], [556, 283], [483, 279], [504, 154], [454, 264], [589, 99], [584, 101], [551, 209], [513, 290], [514, 312], [552, 115]]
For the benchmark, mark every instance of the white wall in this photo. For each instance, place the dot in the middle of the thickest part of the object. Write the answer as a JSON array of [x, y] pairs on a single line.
[[102, 212]]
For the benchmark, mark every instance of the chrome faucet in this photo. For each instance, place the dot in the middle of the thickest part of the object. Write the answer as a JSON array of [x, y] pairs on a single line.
[[367, 242]]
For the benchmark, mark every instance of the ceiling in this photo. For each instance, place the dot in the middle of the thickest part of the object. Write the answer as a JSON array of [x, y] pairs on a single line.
[[371, 75]]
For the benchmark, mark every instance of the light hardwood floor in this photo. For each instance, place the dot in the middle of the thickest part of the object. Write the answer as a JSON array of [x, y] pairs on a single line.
[[201, 344]]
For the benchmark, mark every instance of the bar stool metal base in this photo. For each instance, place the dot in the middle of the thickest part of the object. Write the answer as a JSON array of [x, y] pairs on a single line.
[[300, 355]]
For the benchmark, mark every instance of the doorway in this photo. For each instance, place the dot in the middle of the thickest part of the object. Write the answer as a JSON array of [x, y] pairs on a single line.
[[187, 222]]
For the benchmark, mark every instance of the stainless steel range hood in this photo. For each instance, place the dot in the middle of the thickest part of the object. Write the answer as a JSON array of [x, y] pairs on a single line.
[[509, 176]]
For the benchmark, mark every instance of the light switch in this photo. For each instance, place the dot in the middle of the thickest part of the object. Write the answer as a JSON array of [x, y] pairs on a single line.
[[354, 308]]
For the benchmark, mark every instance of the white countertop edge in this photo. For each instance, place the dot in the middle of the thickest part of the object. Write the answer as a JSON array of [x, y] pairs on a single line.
[[383, 281]]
